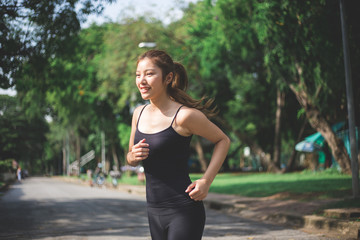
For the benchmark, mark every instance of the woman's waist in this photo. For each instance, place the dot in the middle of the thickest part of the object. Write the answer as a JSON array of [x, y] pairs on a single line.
[[178, 202], [167, 190], [166, 174], [165, 209]]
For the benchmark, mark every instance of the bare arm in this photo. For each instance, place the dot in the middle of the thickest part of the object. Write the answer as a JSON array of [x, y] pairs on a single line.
[[139, 151], [197, 123]]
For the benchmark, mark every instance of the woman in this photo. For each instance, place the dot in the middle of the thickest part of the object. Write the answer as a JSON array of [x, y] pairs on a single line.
[[160, 139]]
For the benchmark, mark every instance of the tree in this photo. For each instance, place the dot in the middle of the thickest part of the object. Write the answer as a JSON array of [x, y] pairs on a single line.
[[36, 30], [230, 60], [116, 64], [93, 90], [309, 61], [21, 138]]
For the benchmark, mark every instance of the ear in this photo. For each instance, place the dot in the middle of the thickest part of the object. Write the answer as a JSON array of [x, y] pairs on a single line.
[[169, 77]]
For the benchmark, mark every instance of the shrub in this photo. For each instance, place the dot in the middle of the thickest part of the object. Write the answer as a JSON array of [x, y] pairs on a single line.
[[6, 166]]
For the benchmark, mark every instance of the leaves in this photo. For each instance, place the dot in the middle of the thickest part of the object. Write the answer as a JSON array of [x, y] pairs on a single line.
[[238, 51]]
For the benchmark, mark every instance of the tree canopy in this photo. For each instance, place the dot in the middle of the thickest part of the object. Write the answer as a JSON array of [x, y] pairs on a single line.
[[270, 65]]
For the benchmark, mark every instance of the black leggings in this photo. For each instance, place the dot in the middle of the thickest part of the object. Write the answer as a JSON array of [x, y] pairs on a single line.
[[177, 224]]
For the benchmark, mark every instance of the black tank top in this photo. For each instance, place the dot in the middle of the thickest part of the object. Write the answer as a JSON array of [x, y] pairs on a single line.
[[166, 168]]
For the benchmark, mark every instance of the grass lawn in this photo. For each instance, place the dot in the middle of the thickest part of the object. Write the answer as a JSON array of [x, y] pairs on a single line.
[[304, 185], [128, 179]]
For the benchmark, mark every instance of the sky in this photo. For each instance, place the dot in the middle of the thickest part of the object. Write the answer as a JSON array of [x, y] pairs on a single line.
[[164, 10]]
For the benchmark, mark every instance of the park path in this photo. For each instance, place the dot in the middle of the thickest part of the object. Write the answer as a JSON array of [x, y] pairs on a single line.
[[46, 208]]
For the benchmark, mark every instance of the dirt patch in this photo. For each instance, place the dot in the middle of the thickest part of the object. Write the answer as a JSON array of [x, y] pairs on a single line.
[[309, 196]]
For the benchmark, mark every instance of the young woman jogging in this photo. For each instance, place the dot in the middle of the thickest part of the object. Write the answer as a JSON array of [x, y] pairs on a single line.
[[160, 139]]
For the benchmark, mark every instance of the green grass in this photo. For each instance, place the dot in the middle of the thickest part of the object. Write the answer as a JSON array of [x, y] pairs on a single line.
[[128, 179], [304, 185]]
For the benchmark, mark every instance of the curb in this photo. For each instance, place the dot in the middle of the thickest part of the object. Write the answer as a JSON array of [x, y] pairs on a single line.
[[344, 229]]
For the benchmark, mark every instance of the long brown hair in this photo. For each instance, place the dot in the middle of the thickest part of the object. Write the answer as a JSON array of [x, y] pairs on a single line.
[[176, 89]]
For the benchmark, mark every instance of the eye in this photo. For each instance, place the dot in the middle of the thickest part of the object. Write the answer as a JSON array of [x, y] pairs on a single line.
[[137, 75], [149, 74]]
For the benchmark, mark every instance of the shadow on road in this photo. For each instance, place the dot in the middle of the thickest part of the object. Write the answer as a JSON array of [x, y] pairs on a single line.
[[84, 217], [43, 208], [21, 217]]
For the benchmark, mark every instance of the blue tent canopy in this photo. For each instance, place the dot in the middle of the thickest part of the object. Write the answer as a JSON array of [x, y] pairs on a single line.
[[305, 146], [316, 141]]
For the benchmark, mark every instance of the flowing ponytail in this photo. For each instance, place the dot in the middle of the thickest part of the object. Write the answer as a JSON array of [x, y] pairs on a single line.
[[176, 89]]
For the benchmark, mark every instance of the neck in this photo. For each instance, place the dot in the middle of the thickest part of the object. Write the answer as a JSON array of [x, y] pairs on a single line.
[[163, 104]]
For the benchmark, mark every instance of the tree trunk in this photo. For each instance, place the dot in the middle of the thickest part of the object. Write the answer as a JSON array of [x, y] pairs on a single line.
[[336, 145], [64, 157], [200, 152], [277, 139], [78, 153], [327, 156], [291, 161], [265, 158], [319, 123], [115, 157], [242, 161]]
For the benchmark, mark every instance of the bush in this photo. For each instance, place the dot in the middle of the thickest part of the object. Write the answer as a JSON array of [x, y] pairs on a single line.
[[6, 166]]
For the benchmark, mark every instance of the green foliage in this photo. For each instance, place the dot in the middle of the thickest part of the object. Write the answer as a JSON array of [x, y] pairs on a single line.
[[305, 36], [21, 138], [231, 63], [124, 131], [6, 166], [36, 29], [117, 62], [240, 52]]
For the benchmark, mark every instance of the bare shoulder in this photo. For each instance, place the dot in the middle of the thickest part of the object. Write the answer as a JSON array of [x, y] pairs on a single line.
[[137, 111], [138, 108], [187, 119], [188, 114]]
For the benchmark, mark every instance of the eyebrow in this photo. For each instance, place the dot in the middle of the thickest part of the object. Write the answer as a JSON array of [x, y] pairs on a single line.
[[149, 69]]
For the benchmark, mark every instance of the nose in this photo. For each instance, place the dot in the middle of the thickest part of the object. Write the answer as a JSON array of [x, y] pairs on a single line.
[[142, 79]]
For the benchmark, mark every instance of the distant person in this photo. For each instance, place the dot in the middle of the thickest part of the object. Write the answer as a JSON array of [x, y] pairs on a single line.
[[25, 173], [160, 139], [18, 173], [89, 174]]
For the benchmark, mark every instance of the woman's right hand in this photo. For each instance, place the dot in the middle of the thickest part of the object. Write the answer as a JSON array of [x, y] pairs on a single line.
[[139, 152]]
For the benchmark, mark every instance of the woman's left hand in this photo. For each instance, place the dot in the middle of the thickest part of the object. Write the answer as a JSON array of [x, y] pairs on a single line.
[[198, 190]]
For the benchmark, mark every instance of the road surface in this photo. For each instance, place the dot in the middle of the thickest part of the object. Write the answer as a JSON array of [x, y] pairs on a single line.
[[47, 208]]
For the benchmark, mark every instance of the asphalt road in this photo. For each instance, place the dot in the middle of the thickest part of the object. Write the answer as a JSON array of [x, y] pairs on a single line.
[[46, 208]]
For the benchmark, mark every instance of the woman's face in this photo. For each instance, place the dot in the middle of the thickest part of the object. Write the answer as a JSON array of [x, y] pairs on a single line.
[[149, 79]]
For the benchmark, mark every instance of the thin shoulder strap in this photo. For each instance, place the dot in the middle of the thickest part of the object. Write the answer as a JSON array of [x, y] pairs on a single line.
[[176, 115], [137, 124]]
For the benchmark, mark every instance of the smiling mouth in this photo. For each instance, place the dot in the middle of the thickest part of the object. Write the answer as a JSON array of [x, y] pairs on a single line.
[[144, 90]]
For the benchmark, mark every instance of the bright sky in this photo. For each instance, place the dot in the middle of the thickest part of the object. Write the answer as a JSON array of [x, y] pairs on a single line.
[[165, 10], [9, 92]]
